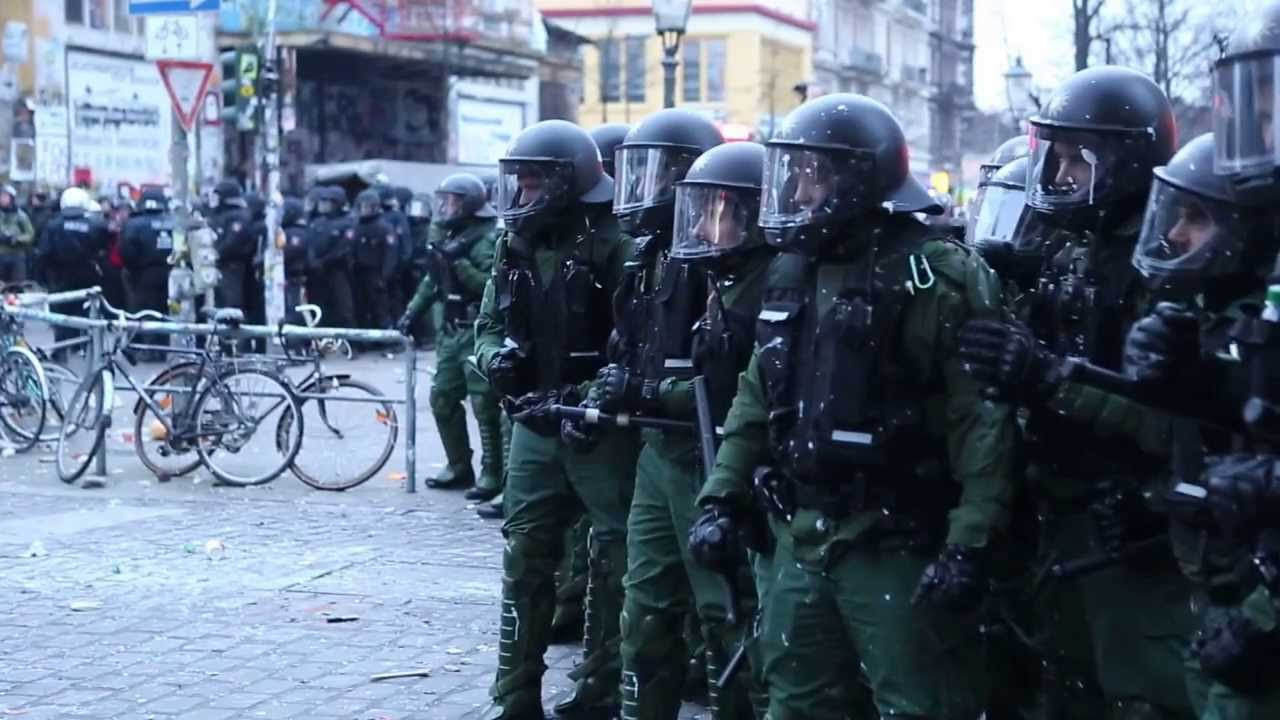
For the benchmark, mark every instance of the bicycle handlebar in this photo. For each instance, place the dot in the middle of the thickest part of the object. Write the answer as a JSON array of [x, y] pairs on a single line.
[[125, 315]]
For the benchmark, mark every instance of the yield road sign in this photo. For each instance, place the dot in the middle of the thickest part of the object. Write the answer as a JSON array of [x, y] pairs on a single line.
[[186, 81], [148, 7]]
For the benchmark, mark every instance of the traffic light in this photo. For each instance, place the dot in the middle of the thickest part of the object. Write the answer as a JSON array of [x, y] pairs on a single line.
[[240, 87]]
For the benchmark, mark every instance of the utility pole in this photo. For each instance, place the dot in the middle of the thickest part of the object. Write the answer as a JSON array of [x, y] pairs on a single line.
[[272, 250]]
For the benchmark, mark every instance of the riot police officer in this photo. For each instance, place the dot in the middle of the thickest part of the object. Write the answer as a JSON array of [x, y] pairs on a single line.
[[1212, 239], [655, 310], [1119, 627], [460, 263], [607, 138], [230, 220], [71, 252], [330, 241], [406, 283], [16, 237], [543, 328], [293, 222], [146, 242], [884, 512], [373, 261], [421, 233]]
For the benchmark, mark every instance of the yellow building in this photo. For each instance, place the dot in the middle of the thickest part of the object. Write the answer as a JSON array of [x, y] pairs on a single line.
[[740, 62]]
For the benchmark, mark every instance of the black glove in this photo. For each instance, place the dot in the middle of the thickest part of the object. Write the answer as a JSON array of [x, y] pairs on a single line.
[[955, 581], [405, 324], [1008, 360], [1243, 493], [533, 410], [1236, 652], [1163, 346], [453, 250], [504, 373], [622, 391], [714, 540], [1121, 516]]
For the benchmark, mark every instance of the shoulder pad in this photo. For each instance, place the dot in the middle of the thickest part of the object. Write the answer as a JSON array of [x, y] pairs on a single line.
[[962, 268]]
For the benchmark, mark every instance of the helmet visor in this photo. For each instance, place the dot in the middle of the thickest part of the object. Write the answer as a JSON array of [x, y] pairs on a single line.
[[368, 208], [803, 185], [1244, 107], [450, 206], [526, 187], [1080, 168], [647, 176], [1184, 234], [418, 209], [998, 215], [712, 220]]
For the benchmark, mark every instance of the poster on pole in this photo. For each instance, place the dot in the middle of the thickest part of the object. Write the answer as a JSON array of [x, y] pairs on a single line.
[[120, 119]]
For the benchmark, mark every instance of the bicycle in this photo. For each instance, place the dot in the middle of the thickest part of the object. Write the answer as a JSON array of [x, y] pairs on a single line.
[[346, 435], [24, 388], [218, 414]]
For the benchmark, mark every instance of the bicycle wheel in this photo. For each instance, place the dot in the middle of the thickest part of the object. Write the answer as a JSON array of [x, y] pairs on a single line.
[[61, 384], [84, 426], [166, 456], [22, 397], [230, 413], [345, 443]]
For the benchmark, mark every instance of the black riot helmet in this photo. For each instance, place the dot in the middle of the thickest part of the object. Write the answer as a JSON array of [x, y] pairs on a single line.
[[227, 193], [387, 196], [653, 157], [1009, 150], [549, 168], [403, 196], [1094, 144], [1197, 231], [337, 199], [1010, 236], [257, 205], [460, 197], [368, 204], [153, 201], [837, 159], [1244, 105], [292, 214], [718, 203], [311, 201], [607, 138]]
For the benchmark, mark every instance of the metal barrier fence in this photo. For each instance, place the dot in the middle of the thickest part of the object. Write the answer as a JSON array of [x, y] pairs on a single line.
[[24, 306]]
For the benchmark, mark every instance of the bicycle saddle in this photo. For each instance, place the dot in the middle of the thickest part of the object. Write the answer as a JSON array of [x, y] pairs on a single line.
[[228, 316]]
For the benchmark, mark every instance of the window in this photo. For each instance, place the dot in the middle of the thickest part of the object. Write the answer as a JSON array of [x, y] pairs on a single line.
[[635, 67], [610, 70], [124, 23], [692, 67], [75, 11], [715, 70], [99, 14]]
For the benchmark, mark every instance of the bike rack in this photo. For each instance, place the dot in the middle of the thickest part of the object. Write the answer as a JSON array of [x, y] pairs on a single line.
[[28, 306]]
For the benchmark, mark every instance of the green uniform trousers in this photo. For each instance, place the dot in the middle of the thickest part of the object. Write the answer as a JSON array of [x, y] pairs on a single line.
[[548, 484], [663, 584], [918, 663], [455, 381], [1122, 629]]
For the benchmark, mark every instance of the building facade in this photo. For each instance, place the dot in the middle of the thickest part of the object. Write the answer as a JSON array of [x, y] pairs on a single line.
[[952, 74], [740, 63]]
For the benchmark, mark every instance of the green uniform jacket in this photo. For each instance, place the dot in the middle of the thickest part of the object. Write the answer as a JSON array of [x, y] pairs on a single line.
[[472, 271], [611, 251], [980, 435], [16, 233], [676, 395]]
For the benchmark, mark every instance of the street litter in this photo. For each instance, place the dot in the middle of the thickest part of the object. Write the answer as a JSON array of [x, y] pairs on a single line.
[[424, 672], [85, 605], [35, 549]]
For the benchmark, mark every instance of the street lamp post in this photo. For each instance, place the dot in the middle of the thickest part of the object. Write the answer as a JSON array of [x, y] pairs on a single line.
[[670, 18], [1017, 87]]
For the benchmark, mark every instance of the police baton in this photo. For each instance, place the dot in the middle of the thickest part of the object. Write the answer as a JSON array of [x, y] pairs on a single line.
[[1156, 395], [1090, 563], [593, 416]]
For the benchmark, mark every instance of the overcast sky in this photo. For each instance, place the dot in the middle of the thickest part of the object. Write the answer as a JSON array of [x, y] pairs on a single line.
[[1039, 31]]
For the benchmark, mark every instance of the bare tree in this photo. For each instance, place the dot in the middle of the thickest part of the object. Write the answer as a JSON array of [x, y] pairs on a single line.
[[1171, 40], [1085, 15]]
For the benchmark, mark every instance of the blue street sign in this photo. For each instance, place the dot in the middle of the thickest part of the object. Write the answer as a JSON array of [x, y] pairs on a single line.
[[153, 7]]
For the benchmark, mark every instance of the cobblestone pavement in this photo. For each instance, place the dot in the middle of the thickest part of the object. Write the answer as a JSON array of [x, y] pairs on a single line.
[[190, 600]]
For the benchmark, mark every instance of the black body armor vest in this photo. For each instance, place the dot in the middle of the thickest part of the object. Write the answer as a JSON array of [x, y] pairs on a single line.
[[655, 324]]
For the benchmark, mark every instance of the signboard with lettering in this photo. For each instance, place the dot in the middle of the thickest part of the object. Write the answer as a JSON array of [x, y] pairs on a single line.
[[120, 118]]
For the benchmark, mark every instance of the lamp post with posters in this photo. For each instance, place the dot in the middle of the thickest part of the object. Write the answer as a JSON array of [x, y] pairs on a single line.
[[670, 18]]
